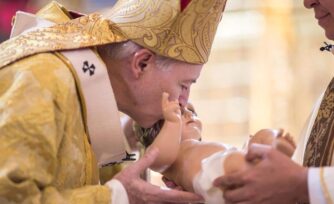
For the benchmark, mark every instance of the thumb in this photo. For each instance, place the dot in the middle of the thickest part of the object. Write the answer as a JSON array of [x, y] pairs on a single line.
[[164, 100], [257, 151], [147, 160]]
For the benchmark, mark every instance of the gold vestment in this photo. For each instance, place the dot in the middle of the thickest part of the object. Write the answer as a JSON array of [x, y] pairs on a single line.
[[45, 152]]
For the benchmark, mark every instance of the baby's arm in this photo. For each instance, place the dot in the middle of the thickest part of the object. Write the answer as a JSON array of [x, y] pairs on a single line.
[[168, 139]]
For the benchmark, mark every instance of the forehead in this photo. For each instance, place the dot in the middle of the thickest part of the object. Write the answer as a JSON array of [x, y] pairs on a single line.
[[190, 106]]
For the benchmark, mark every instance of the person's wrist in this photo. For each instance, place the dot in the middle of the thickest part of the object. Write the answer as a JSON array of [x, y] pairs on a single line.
[[302, 187]]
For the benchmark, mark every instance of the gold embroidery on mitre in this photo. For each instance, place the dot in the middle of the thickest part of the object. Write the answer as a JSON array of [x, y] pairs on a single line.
[[192, 34], [145, 22], [158, 25], [185, 36]]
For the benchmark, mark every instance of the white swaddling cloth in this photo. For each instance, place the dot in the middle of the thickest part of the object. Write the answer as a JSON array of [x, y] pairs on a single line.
[[211, 168]]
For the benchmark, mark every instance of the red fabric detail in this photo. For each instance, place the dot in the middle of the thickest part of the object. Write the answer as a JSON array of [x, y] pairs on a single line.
[[75, 14], [8, 10], [184, 4]]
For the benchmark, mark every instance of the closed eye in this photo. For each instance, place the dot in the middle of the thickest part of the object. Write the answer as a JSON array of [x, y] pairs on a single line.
[[192, 111], [184, 87]]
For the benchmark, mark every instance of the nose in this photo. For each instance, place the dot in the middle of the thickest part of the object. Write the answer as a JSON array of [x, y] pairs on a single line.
[[183, 98], [310, 3], [183, 102]]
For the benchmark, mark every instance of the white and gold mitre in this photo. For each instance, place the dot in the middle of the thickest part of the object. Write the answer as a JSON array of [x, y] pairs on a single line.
[[180, 29]]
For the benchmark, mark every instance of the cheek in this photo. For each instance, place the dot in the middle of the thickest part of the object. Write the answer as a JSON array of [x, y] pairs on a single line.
[[329, 5], [200, 128], [157, 103], [187, 134], [326, 3]]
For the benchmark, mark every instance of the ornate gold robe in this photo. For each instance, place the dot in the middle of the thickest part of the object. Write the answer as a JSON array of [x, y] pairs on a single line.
[[320, 180], [45, 152]]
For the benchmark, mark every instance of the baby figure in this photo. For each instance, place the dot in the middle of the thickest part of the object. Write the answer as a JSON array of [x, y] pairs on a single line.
[[194, 164]]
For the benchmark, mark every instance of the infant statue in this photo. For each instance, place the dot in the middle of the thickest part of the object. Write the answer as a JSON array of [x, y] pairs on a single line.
[[194, 164]]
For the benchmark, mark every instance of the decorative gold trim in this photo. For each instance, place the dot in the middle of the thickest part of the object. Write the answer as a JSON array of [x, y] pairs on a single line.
[[318, 151], [54, 12], [83, 32], [79, 89], [324, 188], [183, 35], [158, 25]]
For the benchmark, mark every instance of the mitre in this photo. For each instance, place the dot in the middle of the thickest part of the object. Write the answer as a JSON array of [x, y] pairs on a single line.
[[180, 29]]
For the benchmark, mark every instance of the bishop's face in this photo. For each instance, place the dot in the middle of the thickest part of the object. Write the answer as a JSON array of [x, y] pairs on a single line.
[[324, 13], [175, 80]]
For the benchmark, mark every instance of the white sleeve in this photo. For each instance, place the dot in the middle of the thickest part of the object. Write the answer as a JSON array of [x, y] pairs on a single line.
[[321, 185], [118, 194]]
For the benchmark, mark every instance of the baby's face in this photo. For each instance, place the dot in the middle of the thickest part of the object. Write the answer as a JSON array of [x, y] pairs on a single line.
[[191, 124]]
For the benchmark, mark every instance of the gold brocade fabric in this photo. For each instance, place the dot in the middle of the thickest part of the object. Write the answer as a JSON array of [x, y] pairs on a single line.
[[158, 25], [183, 35], [83, 32], [45, 155], [320, 145]]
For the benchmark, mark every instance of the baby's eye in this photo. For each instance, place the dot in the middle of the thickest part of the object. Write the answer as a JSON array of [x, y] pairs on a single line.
[[192, 111]]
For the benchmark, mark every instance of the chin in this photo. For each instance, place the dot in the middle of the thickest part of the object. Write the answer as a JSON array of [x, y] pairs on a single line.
[[144, 124], [330, 34]]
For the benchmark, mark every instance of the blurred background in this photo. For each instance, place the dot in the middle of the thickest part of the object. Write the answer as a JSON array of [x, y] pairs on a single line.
[[265, 69]]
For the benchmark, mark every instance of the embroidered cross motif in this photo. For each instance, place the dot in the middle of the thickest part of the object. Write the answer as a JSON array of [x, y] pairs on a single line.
[[327, 47], [86, 67], [129, 157]]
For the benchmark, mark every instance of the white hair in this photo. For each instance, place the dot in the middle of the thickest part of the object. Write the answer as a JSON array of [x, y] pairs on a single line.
[[126, 49]]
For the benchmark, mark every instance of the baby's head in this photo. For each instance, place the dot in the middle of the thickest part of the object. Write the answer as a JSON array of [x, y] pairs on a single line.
[[191, 123], [276, 138], [191, 127]]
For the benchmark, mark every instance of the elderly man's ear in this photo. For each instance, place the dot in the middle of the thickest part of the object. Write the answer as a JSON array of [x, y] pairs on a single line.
[[142, 61]]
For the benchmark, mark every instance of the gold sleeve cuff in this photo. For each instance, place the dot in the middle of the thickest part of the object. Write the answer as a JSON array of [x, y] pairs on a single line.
[[324, 188]]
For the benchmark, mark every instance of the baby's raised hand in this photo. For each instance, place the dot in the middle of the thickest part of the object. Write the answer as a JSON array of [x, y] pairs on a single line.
[[170, 109], [285, 143], [277, 138]]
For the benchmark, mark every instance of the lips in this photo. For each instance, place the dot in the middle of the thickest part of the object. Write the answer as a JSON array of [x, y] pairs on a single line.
[[194, 124], [321, 16], [190, 121]]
